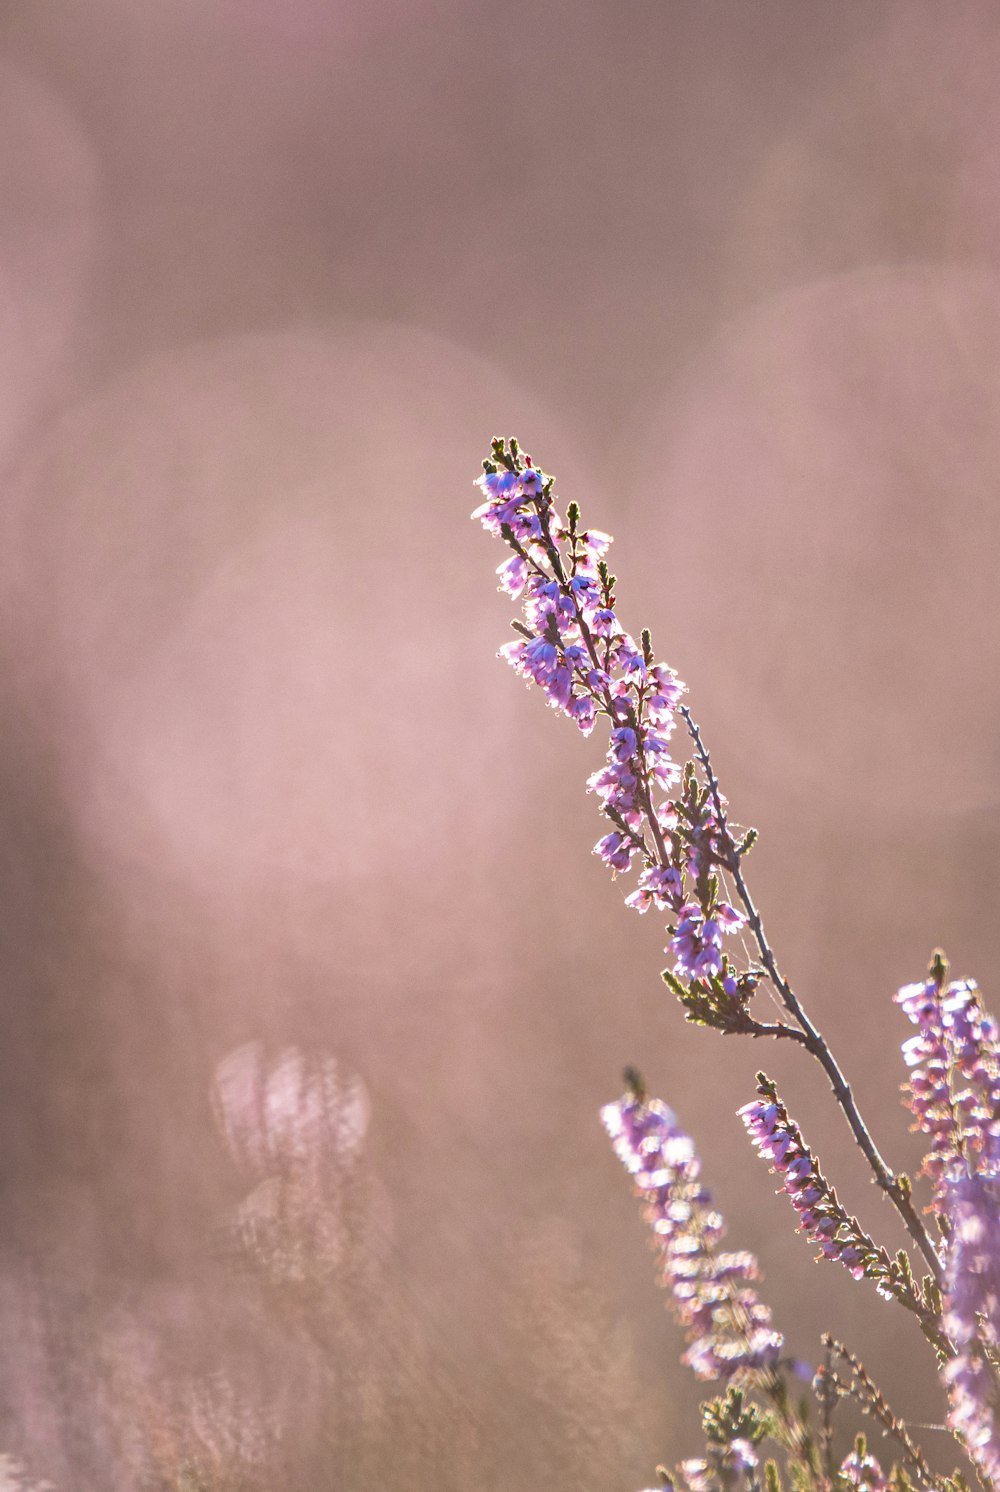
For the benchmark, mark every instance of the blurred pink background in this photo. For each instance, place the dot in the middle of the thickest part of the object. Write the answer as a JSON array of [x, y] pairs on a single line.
[[270, 278]]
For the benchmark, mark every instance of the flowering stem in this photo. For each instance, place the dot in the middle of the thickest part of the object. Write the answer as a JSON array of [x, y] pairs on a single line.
[[873, 1401], [895, 1187]]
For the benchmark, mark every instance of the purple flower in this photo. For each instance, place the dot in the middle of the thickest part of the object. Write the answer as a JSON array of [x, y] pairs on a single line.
[[545, 600], [729, 918], [659, 886], [526, 528], [532, 482], [603, 623], [595, 543], [615, 784], [623, 744], [655, 746], [513, 573], [584, 712], [540, 659], [498, 486], [628, 657], [583, 588], [697, 944], [504, 495], [615, 850], [559, 688], [513, 653], [669, 687]]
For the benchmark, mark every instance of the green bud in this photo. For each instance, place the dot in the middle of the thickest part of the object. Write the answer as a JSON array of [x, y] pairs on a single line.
[[766, 1088], [673, 983]]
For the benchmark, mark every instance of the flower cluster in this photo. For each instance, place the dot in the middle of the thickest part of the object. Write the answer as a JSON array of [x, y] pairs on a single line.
[[728, 1328], [972, 1318], [572, 645], [953, 1091], [954, 1085]]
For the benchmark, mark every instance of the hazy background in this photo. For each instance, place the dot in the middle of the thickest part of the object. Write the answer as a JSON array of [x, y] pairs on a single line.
[[271, 275]]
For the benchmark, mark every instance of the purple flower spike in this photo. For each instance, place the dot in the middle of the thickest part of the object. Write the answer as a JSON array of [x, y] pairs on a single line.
[[822, 1219], [573, 647], [953, 1089], [728, 1328], [972, 1317]]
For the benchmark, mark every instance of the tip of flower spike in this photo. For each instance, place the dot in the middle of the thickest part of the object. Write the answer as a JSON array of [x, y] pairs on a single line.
[[635, 1085]]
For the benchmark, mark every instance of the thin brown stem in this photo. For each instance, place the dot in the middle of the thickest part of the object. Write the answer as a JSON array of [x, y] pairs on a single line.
[[871, 1398], [895, 1188]]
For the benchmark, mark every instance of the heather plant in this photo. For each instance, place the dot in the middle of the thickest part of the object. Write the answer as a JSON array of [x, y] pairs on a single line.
[[669, 831]]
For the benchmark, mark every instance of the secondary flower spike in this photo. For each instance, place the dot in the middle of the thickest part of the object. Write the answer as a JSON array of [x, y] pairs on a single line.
[[822, 1218], [728, 1328], [972, 1317], [953, 1089]]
